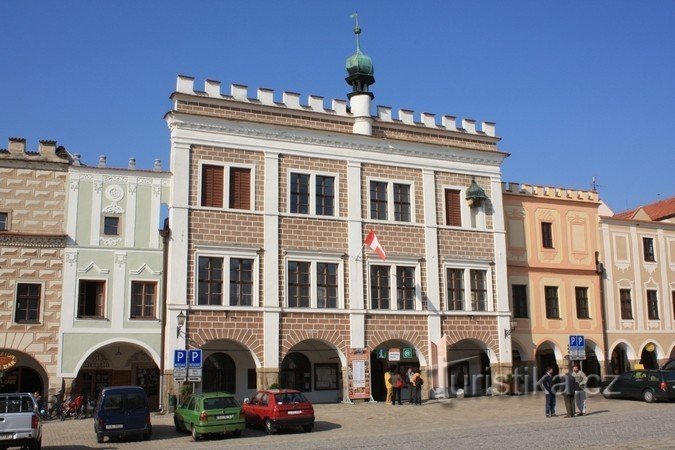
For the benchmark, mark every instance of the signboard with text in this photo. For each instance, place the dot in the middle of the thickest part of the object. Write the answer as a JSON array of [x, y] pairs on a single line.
[[577, 347], [358, 361], [394, 354]]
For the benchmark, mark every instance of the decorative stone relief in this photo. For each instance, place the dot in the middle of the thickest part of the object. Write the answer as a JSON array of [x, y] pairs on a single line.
[[627, 325], [96, 360], [71, 258], [156, 190], [111, 242], [132, 188], [114, 193], [74, 185], [654, 324], [121, 259]]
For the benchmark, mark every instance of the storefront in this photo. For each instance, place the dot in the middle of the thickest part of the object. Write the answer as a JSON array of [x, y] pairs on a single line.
[[392, 356], [315, 368], [21, 373]]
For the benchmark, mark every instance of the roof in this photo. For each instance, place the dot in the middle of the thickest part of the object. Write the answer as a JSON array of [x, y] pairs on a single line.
[[656, 211]]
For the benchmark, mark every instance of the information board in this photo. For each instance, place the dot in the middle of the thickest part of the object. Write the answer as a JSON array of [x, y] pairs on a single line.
[[358, 360]]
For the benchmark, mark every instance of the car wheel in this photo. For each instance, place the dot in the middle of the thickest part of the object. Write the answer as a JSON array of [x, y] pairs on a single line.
[[307, 428], [237, 433], [176, 424], [648, 396], [268, 426], [99, 437], [146, 435], [195, 434], [35, 445]]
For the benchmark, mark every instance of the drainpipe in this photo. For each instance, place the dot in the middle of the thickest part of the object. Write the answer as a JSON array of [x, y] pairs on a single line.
[[165, 233], [600, 270]]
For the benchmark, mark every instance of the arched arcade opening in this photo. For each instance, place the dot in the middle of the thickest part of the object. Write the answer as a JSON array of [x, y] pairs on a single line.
[[383, 360], [229, 366], [20, 372], [469, 368]]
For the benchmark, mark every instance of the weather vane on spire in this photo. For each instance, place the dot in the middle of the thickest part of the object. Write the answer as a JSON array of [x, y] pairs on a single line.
[[357, 30]]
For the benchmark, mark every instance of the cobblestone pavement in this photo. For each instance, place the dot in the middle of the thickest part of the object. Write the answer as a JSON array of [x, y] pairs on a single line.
[[499, 422]]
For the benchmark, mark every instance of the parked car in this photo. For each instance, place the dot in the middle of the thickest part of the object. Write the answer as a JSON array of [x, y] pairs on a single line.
[[670, 365], [279, 408], [210, 413], [647, 385], [20, 424], [122, 411]]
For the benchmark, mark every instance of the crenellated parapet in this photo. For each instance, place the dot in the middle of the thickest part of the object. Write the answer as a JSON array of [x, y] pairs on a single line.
[[531, 190], [47, 151]]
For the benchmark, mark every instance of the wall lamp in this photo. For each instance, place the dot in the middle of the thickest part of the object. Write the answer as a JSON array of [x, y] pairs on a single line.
[[181, 323], [512, 324]]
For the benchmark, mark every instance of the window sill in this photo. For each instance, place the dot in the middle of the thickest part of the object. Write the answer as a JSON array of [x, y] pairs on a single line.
[[314, 310], [27, 323], [415, 312], [223, 308], [232, 210], [554, 318], [91, 318], [311, 216], [393, 222], [144, 319], [470, 313], [455, 228]]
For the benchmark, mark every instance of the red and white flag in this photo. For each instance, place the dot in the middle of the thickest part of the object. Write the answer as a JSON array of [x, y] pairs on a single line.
[[374, 243]]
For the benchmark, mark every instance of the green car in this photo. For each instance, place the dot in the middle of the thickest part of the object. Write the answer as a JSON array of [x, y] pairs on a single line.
[[211, 413]]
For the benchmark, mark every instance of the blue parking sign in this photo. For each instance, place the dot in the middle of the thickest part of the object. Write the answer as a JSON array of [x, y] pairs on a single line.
[[577, 342], [195, 358], [180, 358]]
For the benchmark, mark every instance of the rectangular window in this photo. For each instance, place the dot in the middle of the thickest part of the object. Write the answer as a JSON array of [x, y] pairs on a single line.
[[325, 195], [240, 188], [299, 284], [581, 294], [626, 306], [27, 303], [378, 200], [210, 281], [212, 186], [455, 289], [405, 287], [327, 285], [648, 249], [143, 299], [551, 295], [652, 305], [241, 282], [519, 293], [299, 193], [111, 226], [547, 234], [379, 287], [91, 299], [478, 290], [402, 202], [453, 208], [4, 221]]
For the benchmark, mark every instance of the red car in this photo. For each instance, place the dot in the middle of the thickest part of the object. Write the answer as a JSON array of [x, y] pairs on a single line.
[[279, 408]]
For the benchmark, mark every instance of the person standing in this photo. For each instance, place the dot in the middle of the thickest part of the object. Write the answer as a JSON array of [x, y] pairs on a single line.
[[409, 379], [397, 382], [547, 383], [568, 392], [580, 379], [417, 383], [387, 383]]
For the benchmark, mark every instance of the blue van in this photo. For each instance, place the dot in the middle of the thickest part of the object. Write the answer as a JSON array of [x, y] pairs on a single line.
[[122, 411]]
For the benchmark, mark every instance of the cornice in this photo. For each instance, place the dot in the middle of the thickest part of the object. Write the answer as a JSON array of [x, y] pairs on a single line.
[[32, 240]]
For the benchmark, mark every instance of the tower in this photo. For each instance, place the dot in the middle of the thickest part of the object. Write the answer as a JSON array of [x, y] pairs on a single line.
[[360, 76]]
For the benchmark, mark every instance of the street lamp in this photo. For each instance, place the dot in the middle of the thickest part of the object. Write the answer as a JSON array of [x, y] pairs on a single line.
[[181, 322], [512, 326]]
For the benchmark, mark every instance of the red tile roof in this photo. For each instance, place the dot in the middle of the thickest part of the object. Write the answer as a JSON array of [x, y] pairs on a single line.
[[656, 211]]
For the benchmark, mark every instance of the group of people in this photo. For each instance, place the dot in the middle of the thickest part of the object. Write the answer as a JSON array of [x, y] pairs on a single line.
[[396, 381], [574, 384]]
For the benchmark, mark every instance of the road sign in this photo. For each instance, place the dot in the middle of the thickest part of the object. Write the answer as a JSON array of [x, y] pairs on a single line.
[[381, 353], [577, 347], [195, 358], [179, 359], [408, 353], [394, 354], [196, 372], [179, 374]]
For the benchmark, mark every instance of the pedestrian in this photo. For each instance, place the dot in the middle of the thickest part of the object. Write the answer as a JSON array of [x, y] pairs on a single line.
[[547, 383], [408, 378], [417, 382], [580, 379], [40, 402], [568, 392], [387, 383], [398, 384]]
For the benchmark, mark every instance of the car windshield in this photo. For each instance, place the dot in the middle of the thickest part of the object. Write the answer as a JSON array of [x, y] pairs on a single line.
[[285, 399], [219, 403], [669, 375], [16, 404]]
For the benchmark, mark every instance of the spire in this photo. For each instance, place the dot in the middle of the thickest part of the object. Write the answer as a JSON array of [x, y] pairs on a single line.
[[359, 66]]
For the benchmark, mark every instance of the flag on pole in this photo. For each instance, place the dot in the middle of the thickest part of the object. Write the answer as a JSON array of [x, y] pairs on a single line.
[[374, 244]]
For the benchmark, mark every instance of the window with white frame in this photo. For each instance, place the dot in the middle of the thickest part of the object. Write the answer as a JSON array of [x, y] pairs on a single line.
[[401, 280], [479, 290], [455, 289], [391, 200], [468, 286], [313, 282], [226, 280], [143, 299], [28, 299], [312, 193]]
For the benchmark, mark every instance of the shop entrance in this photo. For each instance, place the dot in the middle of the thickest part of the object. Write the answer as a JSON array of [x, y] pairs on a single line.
[[546, 357], [619, 362], [648, 357], [21, 373], [469, 368], [381, 364], [314, 367]]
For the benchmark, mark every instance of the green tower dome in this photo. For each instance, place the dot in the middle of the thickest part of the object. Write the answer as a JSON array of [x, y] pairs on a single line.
[[360, 64], [360, 68]]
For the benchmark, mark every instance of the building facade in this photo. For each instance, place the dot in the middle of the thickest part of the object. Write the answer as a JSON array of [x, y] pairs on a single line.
[[638, 250], [112, 310], [32, 241]]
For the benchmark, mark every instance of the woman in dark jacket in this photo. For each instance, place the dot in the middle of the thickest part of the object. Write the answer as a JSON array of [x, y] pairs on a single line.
[[397, 385]]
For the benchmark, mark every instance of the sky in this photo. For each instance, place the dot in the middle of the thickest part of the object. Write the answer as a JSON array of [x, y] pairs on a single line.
[[578, 89]]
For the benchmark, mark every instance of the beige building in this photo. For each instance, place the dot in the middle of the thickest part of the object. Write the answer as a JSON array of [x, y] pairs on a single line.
[[32, 240], [638, 250]]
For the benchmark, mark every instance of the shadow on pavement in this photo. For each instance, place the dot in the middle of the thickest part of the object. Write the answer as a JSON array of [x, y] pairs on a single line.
[[319, 426], [600, 411]]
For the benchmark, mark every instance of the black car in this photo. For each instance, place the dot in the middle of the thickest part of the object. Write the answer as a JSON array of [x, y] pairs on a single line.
[[647, 385], [670, 365]]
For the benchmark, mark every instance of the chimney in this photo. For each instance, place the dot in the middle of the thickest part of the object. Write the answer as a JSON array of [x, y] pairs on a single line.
[[157, 167], [76, 159], [132, 164], [17, 146], [47, 149], [101, 161]]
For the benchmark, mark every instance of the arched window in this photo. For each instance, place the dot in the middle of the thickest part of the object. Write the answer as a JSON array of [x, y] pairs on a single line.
[[296, 372], [219, 373]]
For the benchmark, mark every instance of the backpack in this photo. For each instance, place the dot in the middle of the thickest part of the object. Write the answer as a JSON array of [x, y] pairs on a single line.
[[419, 381]]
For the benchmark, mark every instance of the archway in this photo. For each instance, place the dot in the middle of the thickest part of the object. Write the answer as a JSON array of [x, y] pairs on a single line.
[[591, 365], [229, 366], [620, 358], [648, 356], [469, 367], [314, 367], [547, 356], [21, 373], [219, 373], [382, 359]]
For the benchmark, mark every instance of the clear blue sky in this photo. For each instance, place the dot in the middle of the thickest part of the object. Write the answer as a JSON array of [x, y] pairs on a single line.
[[578, 89]]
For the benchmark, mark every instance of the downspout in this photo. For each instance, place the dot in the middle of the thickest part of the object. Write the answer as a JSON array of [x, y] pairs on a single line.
[[600, 270], [165, 233]]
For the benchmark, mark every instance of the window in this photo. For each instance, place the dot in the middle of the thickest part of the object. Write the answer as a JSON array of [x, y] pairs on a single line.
[[379, 287], [240, 188], [478, 290], [111, 226], [299, 193], [402, 202], [551, 295], [299, 284], [652, 305], [327, 285], [210, 281], [27, 303], [626, 307], [581, 294], [453, 208], [325, 195], [547, 234], [4, 221], [519, 294], [648, 249], [455, 282], [378, 200], [241, 282], [212, 186], [91, 299], [405, 287], [143, 299], [311, 194]]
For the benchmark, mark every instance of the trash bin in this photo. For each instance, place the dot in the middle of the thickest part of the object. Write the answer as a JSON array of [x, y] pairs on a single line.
[[173, 400]]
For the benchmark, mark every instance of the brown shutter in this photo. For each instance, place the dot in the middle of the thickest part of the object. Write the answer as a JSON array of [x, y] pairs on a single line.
[[212, 186], [240, 188], [453, 213]]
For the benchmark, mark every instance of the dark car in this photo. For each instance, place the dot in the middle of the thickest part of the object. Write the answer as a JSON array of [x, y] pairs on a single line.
[[647, 385], [122, 411], [670, 365], [279, 408]]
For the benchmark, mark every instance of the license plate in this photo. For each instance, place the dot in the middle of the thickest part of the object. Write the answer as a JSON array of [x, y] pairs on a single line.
[[6, 435], [227, 416], [294, 412], [114, 426]]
